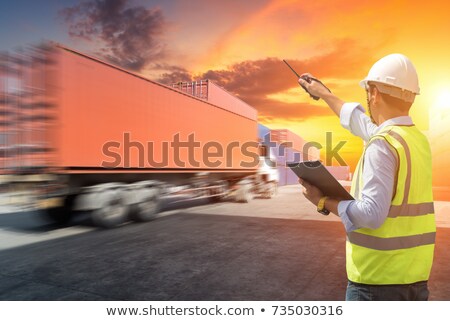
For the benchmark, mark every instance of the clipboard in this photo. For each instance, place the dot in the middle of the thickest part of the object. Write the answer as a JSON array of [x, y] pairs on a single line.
[[316, 174]]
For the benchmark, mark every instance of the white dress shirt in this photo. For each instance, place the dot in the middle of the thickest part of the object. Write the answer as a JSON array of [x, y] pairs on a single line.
[[380, 167]]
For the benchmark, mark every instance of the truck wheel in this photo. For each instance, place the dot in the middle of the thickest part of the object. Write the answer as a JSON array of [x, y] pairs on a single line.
[[222, 188], [244, 193], [60, 215], [147, 208], [113, 211]]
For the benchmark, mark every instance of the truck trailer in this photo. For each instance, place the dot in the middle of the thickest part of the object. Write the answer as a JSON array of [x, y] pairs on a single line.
[[84, 135]]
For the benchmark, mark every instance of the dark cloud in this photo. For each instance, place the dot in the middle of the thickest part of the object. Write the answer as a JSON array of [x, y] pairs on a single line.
[[129, 36], [254, 80], [173, 74], [271, 75]]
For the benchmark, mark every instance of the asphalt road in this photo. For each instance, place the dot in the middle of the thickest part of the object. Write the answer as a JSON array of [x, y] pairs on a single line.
[[222, 251]]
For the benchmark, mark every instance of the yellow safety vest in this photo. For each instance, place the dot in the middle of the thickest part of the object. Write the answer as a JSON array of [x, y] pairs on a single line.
[[401, 250]]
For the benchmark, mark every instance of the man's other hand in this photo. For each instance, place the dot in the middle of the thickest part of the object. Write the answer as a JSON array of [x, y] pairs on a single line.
[[311, 192]]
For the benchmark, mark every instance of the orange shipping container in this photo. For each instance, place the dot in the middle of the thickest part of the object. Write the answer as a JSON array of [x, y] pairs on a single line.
[[109, 117]]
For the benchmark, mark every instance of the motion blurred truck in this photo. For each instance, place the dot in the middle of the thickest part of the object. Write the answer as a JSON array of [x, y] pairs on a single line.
[[83, 135]]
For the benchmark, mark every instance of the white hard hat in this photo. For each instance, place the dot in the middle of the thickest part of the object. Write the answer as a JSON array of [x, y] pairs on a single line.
[[396, 76]]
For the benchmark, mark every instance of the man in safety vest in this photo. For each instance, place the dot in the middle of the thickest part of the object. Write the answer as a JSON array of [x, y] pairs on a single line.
[[390, 225]]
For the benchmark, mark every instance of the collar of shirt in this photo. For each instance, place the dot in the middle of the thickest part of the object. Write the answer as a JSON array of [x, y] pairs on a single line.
[[401, 120]]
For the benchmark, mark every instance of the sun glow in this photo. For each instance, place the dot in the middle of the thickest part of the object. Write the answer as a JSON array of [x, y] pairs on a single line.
[[442, 101]]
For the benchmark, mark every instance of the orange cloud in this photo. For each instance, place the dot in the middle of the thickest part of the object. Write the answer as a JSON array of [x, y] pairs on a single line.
[[258, 82]]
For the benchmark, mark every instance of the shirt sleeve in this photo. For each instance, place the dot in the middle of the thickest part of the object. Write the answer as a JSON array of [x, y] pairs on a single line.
[[380, 166], [354, 119]]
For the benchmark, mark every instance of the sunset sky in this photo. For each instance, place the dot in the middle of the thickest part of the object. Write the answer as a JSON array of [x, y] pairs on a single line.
[[240, 44]]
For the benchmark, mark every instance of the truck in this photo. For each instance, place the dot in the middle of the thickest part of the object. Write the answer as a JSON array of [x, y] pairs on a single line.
[[81, 134]]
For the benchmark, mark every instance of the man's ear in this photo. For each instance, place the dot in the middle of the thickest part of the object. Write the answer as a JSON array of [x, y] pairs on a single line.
[[376, 94]]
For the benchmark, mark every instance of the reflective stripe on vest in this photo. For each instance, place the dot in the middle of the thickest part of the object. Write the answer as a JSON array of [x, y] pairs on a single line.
[[401, 250], [391, 243], [411, 209]]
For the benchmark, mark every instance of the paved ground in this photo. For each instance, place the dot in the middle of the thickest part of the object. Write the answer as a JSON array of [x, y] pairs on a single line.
[[278, 249]]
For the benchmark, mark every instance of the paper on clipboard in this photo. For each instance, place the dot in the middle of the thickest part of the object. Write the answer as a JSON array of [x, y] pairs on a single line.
[[316, 174]]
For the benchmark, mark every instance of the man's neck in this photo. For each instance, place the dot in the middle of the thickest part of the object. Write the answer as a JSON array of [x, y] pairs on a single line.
[[393, 113]]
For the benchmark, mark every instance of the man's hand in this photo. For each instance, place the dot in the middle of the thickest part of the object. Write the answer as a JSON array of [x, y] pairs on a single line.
[[317, 89], [314, 88], [312, 193]]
